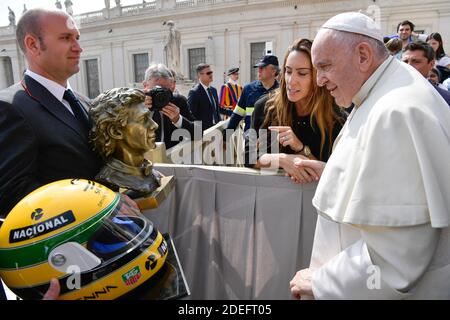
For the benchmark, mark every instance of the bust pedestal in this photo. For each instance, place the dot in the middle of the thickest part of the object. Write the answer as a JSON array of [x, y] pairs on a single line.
[[154, 199]]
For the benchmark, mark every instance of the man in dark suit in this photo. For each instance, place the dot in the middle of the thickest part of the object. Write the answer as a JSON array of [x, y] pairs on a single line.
[[203, 100], [176, 115], [43, 125]]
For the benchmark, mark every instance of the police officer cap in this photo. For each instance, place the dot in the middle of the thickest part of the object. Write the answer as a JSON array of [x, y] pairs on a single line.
[[355, 22], [233, 70], [266, 60]]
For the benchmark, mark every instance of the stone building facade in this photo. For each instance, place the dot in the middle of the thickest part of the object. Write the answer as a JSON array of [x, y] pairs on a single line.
[[121, 41]]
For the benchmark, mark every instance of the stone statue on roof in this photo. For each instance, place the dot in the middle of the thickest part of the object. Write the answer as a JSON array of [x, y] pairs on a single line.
[[172, 48], [11, 17], [68, 4]]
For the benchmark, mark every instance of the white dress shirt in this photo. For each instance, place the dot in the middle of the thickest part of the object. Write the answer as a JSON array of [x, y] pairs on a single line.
[[205, 87], [54, 88]]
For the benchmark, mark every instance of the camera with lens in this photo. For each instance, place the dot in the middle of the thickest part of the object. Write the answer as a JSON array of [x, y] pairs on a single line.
[[160, 97]]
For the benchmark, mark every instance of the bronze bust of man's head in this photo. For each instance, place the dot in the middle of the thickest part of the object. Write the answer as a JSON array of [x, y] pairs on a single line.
[[122, 132]]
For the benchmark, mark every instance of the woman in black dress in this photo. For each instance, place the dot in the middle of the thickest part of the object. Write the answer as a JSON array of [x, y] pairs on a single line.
[[300, 113]]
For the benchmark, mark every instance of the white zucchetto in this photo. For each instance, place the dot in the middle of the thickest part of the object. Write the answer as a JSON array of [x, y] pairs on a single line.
[[355, 22]]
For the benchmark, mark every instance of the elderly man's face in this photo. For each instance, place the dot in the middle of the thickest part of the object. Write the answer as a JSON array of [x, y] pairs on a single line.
[[337, 68], [167, 83], [162, 82], [139, 133]]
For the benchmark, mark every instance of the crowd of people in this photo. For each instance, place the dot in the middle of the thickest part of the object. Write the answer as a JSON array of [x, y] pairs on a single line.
[[340, 110], [439, 61]]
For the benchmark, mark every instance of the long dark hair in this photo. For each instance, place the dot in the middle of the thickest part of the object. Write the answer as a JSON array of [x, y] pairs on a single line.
[[319, 104], [440, 50]]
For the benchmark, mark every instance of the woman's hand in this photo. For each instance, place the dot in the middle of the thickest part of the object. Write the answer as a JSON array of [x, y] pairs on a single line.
[[298, 175], [313, 167], [299, 168], [287, 137]]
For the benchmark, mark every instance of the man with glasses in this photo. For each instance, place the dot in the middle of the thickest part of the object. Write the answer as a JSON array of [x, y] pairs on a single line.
[[268, 69], [202, 99]]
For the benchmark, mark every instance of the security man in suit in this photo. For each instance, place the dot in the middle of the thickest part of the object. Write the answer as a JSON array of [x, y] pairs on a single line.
[[203, 100], [44, 125]]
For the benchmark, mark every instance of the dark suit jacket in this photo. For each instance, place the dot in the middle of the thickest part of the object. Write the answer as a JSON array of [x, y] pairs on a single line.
[[200, 105], [444, 93], [40, 142], [165, 123]]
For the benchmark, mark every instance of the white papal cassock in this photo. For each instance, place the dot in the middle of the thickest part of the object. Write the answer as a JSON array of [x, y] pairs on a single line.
[[384, 196]]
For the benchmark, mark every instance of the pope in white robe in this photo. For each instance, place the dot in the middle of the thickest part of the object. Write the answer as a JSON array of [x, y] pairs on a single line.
[[384, 196]]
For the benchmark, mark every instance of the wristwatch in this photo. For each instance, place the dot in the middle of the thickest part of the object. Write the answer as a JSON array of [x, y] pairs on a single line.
[[306, 151]]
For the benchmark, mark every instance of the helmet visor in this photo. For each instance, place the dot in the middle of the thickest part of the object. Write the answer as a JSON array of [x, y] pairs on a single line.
[[121, 231]]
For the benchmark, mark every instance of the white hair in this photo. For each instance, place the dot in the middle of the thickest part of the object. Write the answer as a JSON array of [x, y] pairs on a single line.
[[157, 70]]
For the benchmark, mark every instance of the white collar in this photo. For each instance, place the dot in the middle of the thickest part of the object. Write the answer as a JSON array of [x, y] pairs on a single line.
[[54, 88], [364, 91], [232, 81], [203, 85]]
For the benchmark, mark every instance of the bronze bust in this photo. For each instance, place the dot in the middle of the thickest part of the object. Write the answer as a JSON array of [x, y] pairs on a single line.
[[122, 132]]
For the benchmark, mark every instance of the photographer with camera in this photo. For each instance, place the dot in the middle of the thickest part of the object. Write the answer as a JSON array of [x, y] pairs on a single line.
[[169, 110]]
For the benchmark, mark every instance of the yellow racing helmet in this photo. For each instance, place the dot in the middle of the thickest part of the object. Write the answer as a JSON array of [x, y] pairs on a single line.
[[88, 237]]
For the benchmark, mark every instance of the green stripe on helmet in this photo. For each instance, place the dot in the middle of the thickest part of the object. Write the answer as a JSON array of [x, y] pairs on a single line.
[[37, 252]]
